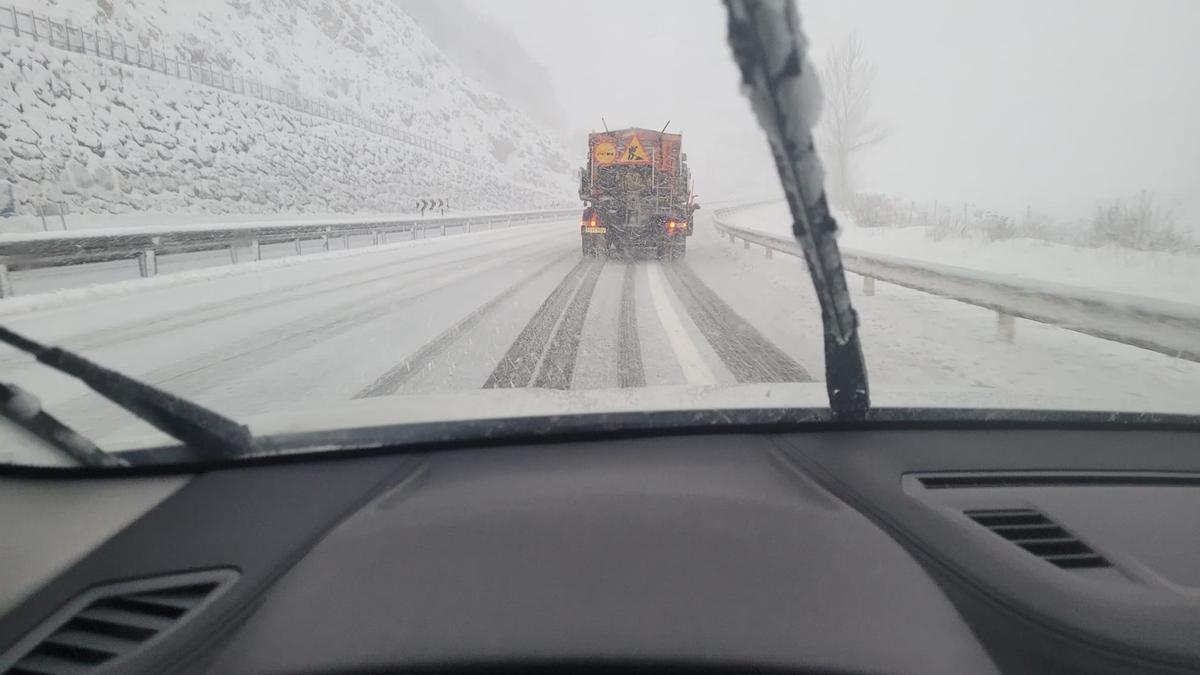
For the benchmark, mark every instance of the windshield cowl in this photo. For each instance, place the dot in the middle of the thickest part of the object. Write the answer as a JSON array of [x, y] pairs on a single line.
[[532, 413]]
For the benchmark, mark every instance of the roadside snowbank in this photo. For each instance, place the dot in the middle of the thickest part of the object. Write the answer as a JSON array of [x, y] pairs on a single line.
[[1167, 276]]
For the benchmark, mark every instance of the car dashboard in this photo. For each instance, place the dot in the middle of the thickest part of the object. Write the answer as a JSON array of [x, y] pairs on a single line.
[[885, 550]]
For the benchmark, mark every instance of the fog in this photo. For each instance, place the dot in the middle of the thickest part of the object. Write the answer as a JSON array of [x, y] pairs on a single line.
[[1055, 105]]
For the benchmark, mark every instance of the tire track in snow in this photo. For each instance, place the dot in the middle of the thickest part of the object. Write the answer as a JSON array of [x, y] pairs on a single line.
[[391, 381], [520, 363], [630, 372], [558, 364], [749, 355]]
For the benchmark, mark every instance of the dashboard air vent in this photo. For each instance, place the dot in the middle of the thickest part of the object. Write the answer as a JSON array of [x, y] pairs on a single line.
[[112, 622], [1040, 536]]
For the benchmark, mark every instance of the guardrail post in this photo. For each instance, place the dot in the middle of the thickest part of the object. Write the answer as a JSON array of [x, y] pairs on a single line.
[[868, 285], [468, 225], [346, 240], [147, 263], [255, 249], [325, 242], [6, 290], [443, 229], [297, 243], [1006, 327], [414, 231]]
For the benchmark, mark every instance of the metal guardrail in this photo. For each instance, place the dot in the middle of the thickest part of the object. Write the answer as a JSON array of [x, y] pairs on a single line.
[[1171, 328], [56, 249]]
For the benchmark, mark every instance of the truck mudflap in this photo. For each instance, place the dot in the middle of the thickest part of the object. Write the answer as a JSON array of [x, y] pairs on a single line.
[[673, 247], [593, 234], [594, 243]]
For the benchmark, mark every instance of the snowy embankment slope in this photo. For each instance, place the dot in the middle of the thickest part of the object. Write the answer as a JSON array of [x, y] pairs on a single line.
[[107, 139], [1166, 276], [362, 54]]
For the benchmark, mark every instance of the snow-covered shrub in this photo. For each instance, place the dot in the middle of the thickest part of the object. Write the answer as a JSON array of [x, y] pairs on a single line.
[[938, 223], [994, 227], [879, 210], [1137, 223]]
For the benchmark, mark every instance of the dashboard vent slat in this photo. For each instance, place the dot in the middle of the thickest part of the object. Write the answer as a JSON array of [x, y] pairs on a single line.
[[112, 622], [125, 618], [1079, 561], [949, 481], [183, 598], [1037, 534], [35, 664], [88, 640]]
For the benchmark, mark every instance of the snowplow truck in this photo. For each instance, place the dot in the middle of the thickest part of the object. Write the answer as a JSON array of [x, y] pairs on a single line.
[[637, 196]]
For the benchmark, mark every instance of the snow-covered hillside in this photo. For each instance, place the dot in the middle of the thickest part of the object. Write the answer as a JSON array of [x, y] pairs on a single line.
[[166, 144], [107, 139]]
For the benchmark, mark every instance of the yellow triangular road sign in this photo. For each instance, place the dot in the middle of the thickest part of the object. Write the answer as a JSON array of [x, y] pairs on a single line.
[[633, 153]]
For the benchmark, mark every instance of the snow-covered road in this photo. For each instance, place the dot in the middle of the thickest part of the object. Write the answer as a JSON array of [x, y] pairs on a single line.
[[522, 308]]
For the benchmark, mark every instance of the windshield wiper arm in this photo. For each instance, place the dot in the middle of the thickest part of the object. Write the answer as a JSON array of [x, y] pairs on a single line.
[[25, 410], [769, 47], [209, 434]]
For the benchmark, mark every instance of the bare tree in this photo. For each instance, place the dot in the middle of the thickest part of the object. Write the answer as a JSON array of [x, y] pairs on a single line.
[[848, 128]]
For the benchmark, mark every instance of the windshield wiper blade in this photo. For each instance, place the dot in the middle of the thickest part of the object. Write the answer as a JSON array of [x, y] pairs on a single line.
[[208, 434], [770, 50], [25, 410]]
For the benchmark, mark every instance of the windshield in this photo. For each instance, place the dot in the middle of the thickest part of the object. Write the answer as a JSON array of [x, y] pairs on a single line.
[[252, 227]]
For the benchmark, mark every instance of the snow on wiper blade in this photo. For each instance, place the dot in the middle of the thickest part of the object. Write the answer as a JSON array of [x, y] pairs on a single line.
[[208, 434], [770, 49], [25, 410]]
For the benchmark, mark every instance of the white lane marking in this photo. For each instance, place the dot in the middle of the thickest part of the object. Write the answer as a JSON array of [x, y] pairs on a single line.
[[690, 362]]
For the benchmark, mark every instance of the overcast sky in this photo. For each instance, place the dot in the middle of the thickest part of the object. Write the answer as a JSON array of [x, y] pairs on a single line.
[[1054, 104]]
